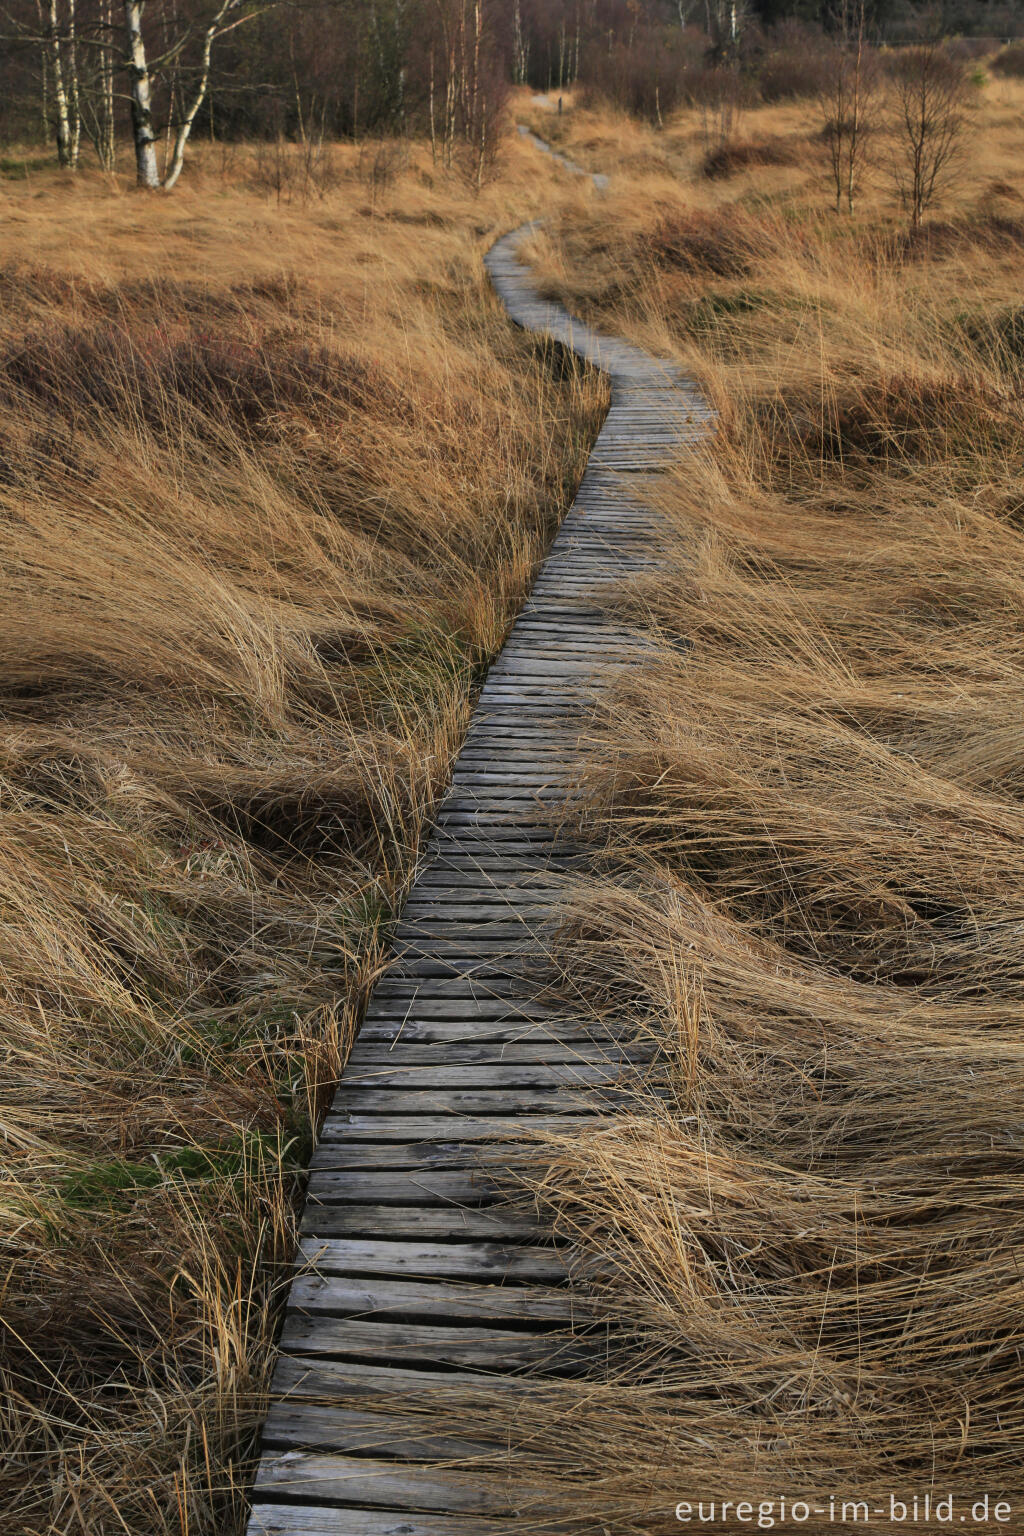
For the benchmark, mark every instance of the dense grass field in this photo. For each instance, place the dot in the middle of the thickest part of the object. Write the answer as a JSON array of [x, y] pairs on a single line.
[[274, 472]]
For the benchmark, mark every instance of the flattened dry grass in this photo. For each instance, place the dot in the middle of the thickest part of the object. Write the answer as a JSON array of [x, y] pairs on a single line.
[[814, 897], [273, 475]]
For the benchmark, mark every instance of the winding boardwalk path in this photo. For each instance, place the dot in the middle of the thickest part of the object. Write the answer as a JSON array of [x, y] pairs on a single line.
[[420, 1270]]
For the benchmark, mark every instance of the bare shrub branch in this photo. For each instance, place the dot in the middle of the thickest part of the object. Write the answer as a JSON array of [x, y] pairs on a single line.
[[930, 108], [849, 101]]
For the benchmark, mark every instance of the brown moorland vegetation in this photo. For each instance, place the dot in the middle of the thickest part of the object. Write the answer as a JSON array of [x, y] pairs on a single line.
[[274, 471], [815, 877]]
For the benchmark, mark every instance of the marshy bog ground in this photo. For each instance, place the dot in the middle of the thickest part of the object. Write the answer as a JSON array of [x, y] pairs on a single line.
[[269, 506]]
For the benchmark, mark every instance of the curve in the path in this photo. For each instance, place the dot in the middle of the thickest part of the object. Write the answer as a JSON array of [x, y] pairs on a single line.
[[418, 1272], [599, 179]]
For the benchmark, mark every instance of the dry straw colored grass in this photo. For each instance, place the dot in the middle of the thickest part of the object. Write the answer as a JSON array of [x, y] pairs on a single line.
[[814, 896], [274, 471]]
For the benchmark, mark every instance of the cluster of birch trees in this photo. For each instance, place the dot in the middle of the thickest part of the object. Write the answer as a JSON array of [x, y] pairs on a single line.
[[102, 72], [100, 68], [75, 41], [142, 76]]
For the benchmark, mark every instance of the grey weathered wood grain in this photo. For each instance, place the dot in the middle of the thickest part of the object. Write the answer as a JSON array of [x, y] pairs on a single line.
[[475, 1103], [336, 1520], [419, 1155], [502, 1075], [461, 1261], [452, 1223], [587, 1050], [494, 1348], [439, 1127], [301, 1425], [376, 1297], [369, 1481], [359, 1383]]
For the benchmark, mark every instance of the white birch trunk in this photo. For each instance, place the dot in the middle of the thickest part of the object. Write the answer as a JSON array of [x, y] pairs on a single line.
[[141, 89], [191, 111], [60, 95], [44, 72], [74, 93], [107, 138]]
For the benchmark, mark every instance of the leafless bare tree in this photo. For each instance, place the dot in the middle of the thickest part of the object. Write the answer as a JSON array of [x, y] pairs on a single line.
[[931, 98], [60, 78], [472, 84], [201, 36], [850, 101], [80, 51], [718, 92], [520, 45], [724, 22]]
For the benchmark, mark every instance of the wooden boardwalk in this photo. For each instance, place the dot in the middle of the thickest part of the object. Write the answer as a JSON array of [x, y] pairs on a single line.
[[420, 1270]]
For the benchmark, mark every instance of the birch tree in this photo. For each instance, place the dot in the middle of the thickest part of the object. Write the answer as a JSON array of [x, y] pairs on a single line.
[[520, 46], [60, 79], [103, 124], [849, 100], [473, 86], [80, 49], [197, 39]]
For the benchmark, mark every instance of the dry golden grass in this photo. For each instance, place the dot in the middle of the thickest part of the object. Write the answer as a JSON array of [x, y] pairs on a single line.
[[255, 552], [274, 471], [815, 885]]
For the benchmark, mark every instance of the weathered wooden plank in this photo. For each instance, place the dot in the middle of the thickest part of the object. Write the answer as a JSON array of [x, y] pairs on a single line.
[[454, 1261], [420, 1156], [420, 1007], [545, 1053], [525, 1102], [392, 988], [523, 780], [361, 1126], [425, 1010], [377, 1297], [418, 1344], [386, 1031], [295, 1424], [382, 1387], [498, 1075], [489, 925], [538, 875], [446, 906], [366, 1481], [413, 936], [484, 965], [418, 1186], [444, 1003], [429, 1223], [334, 1520]]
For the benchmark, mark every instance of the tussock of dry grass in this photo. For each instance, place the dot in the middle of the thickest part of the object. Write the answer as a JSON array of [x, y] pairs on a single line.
[[272, 476], [812, 803], [728, 158]]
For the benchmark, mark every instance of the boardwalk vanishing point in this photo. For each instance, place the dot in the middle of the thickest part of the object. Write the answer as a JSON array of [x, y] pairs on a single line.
[[418, 1269]]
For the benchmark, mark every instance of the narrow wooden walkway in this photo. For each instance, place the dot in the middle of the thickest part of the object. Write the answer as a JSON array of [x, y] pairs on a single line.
[[419, 1269]]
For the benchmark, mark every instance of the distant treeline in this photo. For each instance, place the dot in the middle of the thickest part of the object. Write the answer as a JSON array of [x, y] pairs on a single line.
[[81, 72]]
